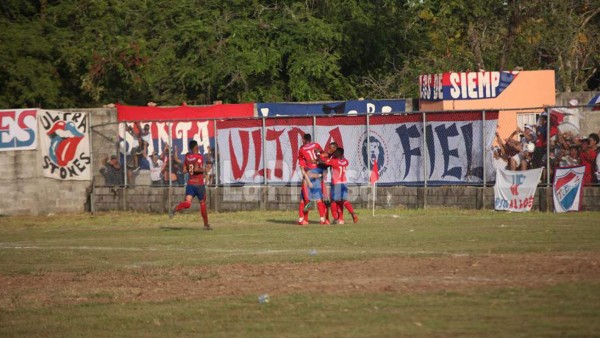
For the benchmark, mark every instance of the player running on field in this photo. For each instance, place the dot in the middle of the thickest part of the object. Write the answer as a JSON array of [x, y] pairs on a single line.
[[194, 166], [308, 156], [339, 191]]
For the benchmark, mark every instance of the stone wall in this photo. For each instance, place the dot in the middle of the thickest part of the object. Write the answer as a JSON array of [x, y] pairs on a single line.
[[23, 189], [156, 199]]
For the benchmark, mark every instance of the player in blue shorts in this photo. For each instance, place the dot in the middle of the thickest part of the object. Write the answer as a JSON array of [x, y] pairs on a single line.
[[339, 190], [194, 166], [308, 157]]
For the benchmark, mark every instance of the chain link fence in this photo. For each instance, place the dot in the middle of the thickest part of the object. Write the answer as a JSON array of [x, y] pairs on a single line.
[[416, 149]]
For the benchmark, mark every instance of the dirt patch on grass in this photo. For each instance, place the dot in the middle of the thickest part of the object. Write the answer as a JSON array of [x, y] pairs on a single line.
[[388, 274]]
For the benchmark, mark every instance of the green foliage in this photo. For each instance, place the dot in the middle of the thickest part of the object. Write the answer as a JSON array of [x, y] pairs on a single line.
[[86, 53]]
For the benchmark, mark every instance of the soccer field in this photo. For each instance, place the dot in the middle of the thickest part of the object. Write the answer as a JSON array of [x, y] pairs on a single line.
[[442, 272]]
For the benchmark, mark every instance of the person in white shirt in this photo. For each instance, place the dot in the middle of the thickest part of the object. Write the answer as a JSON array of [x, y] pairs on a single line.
[[521, 160], [498, 161], [156, 169], [572, 158]]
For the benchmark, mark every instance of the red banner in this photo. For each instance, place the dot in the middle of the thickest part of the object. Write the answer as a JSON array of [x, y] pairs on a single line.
[[183, 113]]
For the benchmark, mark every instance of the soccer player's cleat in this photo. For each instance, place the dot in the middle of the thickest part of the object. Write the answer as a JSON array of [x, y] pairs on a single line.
[[325, 222], [340, 221], [305, 222], [355, 218], [301, 221], [207, 227]]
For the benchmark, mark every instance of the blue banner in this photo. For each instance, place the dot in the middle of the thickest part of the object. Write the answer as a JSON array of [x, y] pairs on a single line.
[[464, 86], [331, 108]]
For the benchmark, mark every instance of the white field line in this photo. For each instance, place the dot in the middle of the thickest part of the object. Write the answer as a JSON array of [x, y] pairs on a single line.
[[21, 246]]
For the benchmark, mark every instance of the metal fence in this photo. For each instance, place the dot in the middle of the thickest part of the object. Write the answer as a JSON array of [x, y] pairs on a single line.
[[418, 149]]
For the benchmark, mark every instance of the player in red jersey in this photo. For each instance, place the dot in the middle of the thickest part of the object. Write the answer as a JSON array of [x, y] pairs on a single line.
[[194, 166], [308, 156], [339, 191], [327, 193]]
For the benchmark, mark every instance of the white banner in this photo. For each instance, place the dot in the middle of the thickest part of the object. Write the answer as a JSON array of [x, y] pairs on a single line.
[[454, 148], [65, 145], [515, 190], [568, 188], [18, 129], [240, 152], [282, 145]]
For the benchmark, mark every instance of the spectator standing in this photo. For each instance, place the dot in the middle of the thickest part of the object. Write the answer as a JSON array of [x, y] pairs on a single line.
[[156, 169], [209, 157], [145, 132], [539, 154], [177, 166], [129, 154], [167, 159], [597, 168], [597, 164], [588, 157], [112, 171], [137, 153], [498, 161]]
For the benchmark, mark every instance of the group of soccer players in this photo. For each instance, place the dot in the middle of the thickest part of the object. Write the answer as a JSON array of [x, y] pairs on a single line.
[[314, 164]]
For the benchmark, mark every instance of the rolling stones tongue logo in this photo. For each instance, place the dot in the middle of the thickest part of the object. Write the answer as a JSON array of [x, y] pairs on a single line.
[[64, 141]]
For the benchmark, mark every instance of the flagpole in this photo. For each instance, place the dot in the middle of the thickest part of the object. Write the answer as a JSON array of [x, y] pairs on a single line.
[[373, 179], [374, 196]]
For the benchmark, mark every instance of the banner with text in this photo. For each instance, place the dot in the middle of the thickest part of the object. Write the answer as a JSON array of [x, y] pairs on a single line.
[[515, 190], [331, 108], [18, 129], [65, 145], [132, 137], [464, 86], [454, 147], [567, 189], [188, 123]]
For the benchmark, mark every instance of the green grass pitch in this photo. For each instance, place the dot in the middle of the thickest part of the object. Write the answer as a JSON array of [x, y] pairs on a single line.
[[440, 272]]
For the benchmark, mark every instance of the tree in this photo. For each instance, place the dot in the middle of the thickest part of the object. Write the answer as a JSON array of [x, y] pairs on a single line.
[[87, 53]]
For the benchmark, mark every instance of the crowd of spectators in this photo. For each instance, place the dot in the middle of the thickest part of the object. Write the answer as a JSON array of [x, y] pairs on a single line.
[[527, 148], [138, 158], [524, 149]]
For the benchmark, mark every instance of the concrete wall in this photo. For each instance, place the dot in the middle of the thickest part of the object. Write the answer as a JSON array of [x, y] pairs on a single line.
[[156, 199], [23, 189]]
